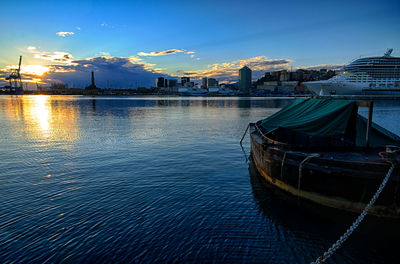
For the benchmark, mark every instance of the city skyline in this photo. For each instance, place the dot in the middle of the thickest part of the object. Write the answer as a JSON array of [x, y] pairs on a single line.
[[134, 43]]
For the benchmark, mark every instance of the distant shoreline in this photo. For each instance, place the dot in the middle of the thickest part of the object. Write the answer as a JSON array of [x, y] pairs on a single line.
[[134, 93], [128, 93]]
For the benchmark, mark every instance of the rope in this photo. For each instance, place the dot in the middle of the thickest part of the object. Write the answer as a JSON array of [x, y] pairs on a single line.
[[283, 163], [314, 155], [350, 230], [259, 130], [247, 128]]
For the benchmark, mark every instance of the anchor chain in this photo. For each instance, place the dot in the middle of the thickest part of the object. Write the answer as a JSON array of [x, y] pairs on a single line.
[[353, 227]]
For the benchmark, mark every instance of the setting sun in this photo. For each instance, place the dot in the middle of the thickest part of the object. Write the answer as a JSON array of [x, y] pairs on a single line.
[[38, 70]]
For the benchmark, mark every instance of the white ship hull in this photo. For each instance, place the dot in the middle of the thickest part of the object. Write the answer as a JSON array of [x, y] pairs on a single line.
[[326, 88], [331, 88]]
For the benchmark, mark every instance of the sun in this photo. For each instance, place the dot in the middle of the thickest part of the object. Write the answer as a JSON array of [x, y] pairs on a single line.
[[37, 70]]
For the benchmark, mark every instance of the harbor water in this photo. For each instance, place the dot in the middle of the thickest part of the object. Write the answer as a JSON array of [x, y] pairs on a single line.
[[159, 180]]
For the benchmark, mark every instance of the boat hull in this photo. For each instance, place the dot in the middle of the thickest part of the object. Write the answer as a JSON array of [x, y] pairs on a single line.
[[327, 88], [344, 181]]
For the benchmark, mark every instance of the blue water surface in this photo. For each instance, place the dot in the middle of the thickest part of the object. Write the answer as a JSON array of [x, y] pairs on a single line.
[[157, 180]]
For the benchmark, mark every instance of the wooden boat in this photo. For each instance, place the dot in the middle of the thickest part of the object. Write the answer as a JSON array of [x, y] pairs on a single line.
[[322, 150]]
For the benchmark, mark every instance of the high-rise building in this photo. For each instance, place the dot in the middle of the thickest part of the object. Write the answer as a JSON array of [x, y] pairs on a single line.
[[160, 82], [172, 83], [184, 80], [245, 79], [212, 82], [204, 83]]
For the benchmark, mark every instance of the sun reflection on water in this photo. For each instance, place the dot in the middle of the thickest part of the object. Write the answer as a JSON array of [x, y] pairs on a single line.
[[37, 114], [48, 118], [41, 111]]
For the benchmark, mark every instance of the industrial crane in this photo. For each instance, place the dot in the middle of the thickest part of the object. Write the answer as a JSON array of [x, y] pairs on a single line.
[[15, 79]]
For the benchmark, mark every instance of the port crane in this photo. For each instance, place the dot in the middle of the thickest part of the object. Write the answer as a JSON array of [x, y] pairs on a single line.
[[15, 79]]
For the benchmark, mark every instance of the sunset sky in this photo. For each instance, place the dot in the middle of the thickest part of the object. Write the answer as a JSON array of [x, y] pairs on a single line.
[[129, 44]]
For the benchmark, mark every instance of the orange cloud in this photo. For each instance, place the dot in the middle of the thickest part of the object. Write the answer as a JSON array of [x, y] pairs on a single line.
[[56, 56], [229, 71]]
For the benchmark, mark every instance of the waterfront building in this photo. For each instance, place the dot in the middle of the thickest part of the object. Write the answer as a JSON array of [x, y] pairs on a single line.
[[275, 75], [189, 84], [212, 82], [284, 76], [172, 83], [184, 80], [245, 80], [204, 83], [160, 82]]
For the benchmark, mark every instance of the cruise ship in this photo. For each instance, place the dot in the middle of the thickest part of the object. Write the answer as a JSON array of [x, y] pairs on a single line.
[[364, 76]]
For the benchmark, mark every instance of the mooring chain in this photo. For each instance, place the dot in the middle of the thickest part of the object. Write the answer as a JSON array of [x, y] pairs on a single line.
[[350, 230]]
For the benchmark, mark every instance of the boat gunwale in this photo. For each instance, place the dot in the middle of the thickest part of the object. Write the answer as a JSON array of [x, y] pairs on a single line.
[[371, 156], [354, 149]]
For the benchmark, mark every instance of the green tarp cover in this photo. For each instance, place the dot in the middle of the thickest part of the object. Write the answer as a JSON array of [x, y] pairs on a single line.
[[326, 118]]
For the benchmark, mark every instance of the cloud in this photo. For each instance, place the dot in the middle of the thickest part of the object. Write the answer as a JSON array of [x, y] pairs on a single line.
[[64, 33], [36, 70], [30, 73], [104, 53], [192, 56], [160, 53], [56, 56], [110, 72], [229, 71], [321, 66]]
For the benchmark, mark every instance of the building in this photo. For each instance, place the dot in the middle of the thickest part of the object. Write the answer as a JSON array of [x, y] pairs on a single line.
[[184, 80], [160, 82], [172, 83], [188, 84], [204, 83], [212, 82], [92, 86], [284, 76], [245, 80]]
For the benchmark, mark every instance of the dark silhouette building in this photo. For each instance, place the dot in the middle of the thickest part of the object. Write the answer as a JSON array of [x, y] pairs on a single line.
[[245, 80], [185, 80], [160, 82], [93, 85]]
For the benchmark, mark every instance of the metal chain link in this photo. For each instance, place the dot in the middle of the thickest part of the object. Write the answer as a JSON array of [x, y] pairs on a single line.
[[350, 230]]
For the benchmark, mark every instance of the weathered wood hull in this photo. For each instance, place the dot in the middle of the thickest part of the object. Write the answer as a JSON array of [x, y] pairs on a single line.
[[343, 180]]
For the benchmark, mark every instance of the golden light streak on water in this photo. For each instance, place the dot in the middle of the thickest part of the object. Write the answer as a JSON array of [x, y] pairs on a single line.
[[41, 111], [46, 120], [37, 113]]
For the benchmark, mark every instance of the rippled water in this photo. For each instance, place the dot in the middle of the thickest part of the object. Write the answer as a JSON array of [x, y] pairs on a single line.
[[149, 180]]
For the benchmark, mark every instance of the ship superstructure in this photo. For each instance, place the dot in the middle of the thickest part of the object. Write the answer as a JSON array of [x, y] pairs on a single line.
[[372, 75]]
